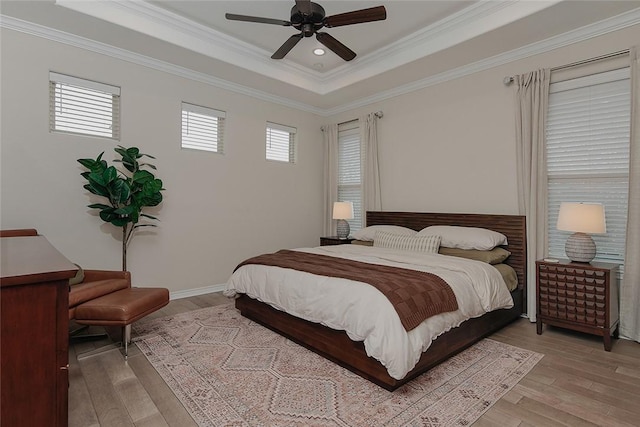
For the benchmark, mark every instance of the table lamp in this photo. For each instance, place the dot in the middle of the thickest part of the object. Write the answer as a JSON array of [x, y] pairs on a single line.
[[343, 211], [581, 218]]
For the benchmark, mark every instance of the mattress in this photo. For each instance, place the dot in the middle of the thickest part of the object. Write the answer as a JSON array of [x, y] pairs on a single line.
[[363, 312]]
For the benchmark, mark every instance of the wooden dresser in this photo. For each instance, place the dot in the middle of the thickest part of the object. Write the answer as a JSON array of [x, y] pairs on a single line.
[[34, 299], [578, 296]]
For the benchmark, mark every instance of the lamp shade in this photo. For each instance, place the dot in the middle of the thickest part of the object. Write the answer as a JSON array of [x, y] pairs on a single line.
[[343, 210], [582, 218]]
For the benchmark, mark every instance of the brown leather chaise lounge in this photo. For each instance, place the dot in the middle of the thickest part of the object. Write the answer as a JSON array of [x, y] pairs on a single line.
[[106, 297]]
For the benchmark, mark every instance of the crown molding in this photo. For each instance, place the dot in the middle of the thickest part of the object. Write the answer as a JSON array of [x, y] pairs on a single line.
[[600, 28], [145, 61], [154, 21], [464, 25], [578, 35], [160, 23]]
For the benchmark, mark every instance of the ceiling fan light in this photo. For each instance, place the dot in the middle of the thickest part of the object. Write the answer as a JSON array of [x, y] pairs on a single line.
[[308, 18]]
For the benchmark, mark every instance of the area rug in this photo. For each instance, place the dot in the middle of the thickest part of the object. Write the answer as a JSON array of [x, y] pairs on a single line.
[[230, 371]]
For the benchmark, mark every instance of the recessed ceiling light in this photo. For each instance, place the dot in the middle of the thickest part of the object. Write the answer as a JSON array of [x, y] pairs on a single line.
[[318, 52]]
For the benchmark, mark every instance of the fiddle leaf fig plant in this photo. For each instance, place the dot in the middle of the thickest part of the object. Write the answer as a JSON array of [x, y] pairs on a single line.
[[127, 191]]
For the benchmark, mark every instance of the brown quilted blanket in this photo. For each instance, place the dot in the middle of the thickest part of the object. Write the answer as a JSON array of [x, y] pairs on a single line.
[[415, 295]]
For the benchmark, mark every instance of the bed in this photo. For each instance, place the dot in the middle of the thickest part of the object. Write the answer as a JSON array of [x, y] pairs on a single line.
[[336, 345]]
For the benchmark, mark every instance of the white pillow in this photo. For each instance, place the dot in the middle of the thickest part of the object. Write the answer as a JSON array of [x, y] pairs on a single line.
[[384, 239], [465, 237], [369, 233]]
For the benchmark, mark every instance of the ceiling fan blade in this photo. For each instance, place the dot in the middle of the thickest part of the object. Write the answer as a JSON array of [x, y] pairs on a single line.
[[287, 46], [338, 48], [304, 6], [378, 13], [260, 20]]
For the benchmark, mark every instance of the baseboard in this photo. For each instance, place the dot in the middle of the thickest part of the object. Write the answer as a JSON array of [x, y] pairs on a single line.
[[197, 291]]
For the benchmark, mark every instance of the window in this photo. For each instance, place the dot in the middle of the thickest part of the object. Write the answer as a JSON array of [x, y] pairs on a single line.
[[83, 107], [281, 143], [349, 170], [588, 134], [202, 128]]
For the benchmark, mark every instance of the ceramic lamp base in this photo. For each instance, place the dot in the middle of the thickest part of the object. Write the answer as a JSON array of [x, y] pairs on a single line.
[[580, 247], [343, 229]]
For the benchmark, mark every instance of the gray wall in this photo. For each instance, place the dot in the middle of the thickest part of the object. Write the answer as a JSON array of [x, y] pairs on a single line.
[[218, 209], [451, 147], [446, 148]]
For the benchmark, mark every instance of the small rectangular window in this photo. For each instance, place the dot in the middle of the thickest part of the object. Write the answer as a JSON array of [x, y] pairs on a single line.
[[280, 143], [202, 128], [83, 107]]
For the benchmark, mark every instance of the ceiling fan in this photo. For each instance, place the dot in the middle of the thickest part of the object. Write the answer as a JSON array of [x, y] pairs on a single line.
[[309, 17]]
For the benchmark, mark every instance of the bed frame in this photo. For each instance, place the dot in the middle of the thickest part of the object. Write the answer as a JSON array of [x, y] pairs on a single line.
[[336, 346]]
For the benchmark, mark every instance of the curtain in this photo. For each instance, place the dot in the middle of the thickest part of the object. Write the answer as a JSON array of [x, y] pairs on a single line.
[[630, 287], [532, 97], [330, 140], [370, 170]]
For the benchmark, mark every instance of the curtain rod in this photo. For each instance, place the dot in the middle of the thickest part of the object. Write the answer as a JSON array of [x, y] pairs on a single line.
[[587, 61], [509, 79], [379, 114]]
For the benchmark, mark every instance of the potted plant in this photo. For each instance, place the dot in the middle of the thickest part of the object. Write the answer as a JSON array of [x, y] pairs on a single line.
[[127, 191]]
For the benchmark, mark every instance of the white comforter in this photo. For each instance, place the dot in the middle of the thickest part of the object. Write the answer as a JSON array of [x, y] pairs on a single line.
[[363, 311]]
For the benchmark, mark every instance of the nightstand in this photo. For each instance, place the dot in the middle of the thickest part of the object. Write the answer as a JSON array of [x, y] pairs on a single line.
[[335, 240], [578, 296]]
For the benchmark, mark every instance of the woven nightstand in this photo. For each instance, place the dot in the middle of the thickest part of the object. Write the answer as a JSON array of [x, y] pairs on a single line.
[[578, 296]]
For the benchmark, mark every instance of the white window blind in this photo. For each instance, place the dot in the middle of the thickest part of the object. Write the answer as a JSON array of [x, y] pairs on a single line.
[[588, 134], [349, 171], [281, 143], [83, 107], [202, 128]]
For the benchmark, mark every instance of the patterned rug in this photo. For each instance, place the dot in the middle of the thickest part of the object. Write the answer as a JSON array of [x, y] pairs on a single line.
[[229, 371]]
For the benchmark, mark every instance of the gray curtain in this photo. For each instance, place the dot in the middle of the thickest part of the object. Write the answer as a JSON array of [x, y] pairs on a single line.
[[630, 287], [532, 99], [330, 140], [371, 199]]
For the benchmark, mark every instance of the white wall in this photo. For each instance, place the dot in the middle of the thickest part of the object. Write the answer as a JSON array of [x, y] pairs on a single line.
[[217, 209], [451, 147]]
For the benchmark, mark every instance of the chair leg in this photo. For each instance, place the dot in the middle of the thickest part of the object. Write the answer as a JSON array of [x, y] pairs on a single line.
[[126, 338]]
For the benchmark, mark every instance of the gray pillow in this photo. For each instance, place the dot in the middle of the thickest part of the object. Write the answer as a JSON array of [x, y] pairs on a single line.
[[493, 256]]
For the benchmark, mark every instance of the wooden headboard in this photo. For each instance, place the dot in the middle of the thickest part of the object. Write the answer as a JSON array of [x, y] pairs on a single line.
[[512, 226]]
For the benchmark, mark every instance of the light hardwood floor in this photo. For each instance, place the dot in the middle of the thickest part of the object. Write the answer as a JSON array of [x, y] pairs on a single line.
[[577, 383]]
